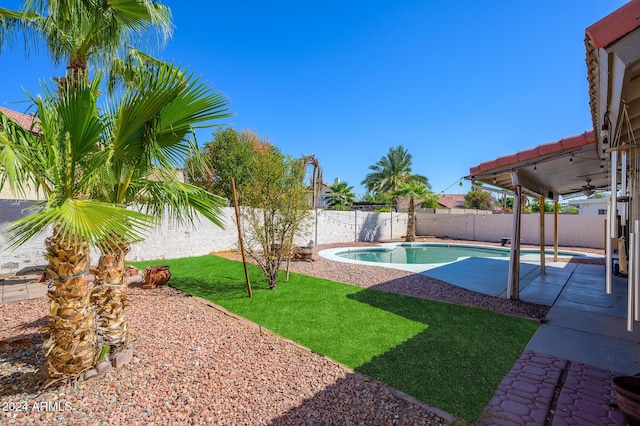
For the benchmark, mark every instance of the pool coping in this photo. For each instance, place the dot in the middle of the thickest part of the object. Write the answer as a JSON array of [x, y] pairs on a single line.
[[332, 254]]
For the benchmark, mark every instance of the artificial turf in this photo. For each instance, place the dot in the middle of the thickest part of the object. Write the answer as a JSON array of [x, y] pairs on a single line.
[[449, 356]]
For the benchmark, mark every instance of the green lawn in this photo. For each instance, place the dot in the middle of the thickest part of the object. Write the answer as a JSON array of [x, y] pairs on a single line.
[[452, 357]]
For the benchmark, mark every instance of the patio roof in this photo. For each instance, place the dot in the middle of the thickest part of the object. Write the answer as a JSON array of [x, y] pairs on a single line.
[[549, 170], [613, 68]]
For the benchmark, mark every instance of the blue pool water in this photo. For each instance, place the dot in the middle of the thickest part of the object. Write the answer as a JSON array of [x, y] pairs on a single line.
[[430, 253]]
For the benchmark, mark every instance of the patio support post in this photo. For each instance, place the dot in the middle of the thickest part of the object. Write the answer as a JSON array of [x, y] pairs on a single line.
[[613, 216], [608, 250], [631, 299], [634, 282], [555, 230], [542, 241], [513, 284]]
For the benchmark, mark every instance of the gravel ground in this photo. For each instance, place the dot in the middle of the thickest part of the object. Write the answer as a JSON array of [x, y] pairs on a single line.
[[195, 365], [192, 365]]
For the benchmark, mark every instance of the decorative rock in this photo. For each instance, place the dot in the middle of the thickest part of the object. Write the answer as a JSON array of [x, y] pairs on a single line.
[[103, 368], [91, 374], [134, 279], [123, 357]]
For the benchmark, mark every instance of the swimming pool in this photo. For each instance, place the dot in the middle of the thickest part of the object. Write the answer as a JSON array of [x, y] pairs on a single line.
[[423, 256]]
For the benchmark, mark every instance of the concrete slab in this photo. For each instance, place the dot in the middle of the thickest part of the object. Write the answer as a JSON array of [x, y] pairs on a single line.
[[487, 276], [14, 298], [592, 322], [560, 268], [15, 292], [13, 287], [583, 268], [608, 353], [558, 279], [541, 293]]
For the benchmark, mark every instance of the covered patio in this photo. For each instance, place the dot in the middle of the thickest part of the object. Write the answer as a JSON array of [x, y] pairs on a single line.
[[606, 159]]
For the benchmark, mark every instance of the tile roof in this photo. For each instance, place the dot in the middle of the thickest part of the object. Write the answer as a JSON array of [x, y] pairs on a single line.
[[601, 35], [532, 154], [446, 201], [451, 201], [615, 25], [26, 121]]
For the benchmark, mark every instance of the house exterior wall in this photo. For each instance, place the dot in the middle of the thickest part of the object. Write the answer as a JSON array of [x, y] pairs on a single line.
[[592, 206]]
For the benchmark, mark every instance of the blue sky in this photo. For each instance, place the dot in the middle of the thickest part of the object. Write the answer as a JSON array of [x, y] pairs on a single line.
[[456, 83]]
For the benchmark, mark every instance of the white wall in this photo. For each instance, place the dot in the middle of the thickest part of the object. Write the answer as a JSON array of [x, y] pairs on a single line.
[[173, 241], [573, 230]]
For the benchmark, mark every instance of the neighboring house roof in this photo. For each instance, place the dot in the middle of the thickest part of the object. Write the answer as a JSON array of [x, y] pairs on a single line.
[[445, 201], [451, 201], [26, 121]]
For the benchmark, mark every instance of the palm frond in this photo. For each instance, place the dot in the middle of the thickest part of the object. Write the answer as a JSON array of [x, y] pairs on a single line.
[[89, 221], [179, 201]]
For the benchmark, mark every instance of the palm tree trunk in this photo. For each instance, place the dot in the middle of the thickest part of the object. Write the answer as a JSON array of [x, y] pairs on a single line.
[[411, 222], [109, 299], [72, 346]]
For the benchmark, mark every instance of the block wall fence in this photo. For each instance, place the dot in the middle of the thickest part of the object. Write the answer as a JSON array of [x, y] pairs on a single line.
[[171, 240]]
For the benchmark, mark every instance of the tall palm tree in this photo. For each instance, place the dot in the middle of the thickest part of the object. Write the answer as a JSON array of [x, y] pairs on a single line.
[[412, 191], [391, 171], [341, 196], [79, 33], [149, 135], [63, 161]]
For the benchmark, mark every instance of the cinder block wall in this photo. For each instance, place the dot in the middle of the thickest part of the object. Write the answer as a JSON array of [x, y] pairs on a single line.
[[170, 240], [573, 230]]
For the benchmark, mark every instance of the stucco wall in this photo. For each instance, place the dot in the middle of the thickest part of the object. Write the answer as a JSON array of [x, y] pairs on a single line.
[[573, 230], [173, 241]]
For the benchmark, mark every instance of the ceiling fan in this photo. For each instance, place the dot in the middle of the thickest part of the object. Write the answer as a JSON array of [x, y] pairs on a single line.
[[588, 189]]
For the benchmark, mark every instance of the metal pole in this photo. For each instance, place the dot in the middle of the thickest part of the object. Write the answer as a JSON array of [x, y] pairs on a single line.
[[355, 226], [631, 298], [636, 281], [542, 242], [392, 223], [244, 259], [608, 249], [614, 195], [555, 230]]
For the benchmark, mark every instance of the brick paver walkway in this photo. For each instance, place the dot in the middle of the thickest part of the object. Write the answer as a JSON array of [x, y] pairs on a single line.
[[545, 390]]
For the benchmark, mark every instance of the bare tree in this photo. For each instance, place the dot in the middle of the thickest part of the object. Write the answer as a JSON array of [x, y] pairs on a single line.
[[274, 210]]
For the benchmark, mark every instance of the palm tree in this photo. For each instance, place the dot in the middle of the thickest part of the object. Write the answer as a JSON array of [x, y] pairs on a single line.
[[79, 33], [63, 161], [148, 138], [341, 196], [412, 190], [102, 164], [392, 171]]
